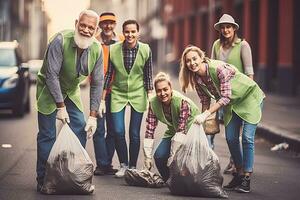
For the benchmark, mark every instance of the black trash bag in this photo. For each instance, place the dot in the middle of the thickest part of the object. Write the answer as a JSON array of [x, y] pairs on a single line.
[[143, 178], [69, 169], [195, 170]]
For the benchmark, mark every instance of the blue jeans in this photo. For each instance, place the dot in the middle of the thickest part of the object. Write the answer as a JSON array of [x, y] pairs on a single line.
[[211, 141], [118, 120], [104, 147], [161, 156], [243, 158], [47, 134]]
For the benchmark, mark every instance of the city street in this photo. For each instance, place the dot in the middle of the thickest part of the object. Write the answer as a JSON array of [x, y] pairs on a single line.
[[276, 174]]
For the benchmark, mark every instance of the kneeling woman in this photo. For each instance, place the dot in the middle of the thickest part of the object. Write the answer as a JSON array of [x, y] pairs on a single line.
[[241, 98], [174, 110]]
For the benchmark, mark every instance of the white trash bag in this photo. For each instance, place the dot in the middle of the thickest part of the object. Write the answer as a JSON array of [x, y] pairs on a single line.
[[195, 170], [69, 169]]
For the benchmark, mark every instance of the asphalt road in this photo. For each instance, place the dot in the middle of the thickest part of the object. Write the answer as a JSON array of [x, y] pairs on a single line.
[[276, 174]]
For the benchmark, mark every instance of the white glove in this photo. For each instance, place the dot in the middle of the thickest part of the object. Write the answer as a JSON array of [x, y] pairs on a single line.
[[62, 115], [148, 147], [91, 126], [200, 119], [178, 139], [102, 108]]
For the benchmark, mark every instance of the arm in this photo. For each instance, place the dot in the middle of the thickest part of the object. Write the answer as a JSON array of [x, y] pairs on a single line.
[[54, 63], [96, 86], [148, 84], [246, 57], [185, 113], [152, 122]]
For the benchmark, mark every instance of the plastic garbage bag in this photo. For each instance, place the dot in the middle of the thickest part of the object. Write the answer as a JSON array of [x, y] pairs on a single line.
[[143, 178], [195, 170], [69, 169]]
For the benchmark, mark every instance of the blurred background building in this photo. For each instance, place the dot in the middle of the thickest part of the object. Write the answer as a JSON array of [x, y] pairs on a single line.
[[25, 21]]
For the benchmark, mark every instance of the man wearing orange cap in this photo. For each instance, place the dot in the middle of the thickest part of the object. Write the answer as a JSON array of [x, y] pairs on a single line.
[[104, 146]]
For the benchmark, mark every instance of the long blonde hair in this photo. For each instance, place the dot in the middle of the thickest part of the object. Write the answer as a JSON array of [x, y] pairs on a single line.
[[186, 77]]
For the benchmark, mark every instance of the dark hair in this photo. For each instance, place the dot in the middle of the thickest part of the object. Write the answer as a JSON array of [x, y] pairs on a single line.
[[107, 13], [131, 21]]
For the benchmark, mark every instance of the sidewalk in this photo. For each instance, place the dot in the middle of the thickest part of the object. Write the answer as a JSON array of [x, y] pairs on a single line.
[[280, 121]]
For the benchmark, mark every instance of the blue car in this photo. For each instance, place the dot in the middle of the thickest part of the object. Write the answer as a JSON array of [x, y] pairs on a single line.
[[14, 80]]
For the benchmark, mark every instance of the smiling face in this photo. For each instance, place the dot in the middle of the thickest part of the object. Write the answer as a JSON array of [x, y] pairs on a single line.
[[193, 61], [131, 34], [163, 92], [107, 27], [227, 30]]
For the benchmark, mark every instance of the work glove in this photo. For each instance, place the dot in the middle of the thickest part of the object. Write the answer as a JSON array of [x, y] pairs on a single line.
[[91, 126], [200, 119], [148, 147], [177, 140], [102, 108], [62, 115]]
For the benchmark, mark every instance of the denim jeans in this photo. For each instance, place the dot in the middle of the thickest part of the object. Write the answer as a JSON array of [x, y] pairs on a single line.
[[104, 147], [161, 156], [118, 120], [242, 157], [47, 134], [211, 141]]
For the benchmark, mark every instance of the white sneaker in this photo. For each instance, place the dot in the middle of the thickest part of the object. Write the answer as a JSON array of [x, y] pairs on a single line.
[[121, 172]]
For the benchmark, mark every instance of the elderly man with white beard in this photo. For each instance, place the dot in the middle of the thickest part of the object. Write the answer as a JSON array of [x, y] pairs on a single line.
[[71, 56]]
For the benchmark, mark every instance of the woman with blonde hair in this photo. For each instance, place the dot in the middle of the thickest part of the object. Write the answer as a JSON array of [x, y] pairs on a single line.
[[241, 99]]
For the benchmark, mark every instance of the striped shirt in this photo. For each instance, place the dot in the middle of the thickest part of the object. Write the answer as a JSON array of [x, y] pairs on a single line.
[[55, 62], [152, 121], [224, 75], [129, 56]]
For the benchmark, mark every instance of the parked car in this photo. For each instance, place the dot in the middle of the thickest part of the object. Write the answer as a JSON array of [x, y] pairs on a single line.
[[14, 80], [34, 68]]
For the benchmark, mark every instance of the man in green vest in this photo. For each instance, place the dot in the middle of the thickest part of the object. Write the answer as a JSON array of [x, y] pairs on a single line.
[[71, 56], [178, 113], [131, 64]]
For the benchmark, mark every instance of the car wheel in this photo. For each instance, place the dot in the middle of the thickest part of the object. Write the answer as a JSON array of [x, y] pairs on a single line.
[[19, 110], [27, 105]]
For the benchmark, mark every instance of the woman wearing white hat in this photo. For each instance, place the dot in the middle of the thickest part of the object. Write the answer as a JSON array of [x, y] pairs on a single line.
[[233, 50]]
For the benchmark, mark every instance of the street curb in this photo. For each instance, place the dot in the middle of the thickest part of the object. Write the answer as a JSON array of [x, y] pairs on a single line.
[[277, 135]]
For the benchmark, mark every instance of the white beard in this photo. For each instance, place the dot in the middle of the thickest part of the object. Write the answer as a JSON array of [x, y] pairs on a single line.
[[81, 41]]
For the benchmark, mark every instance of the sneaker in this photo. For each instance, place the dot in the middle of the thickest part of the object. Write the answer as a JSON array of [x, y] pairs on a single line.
[[230, 168], [236, 181], [244, 187], [121, 172], [101, 171]]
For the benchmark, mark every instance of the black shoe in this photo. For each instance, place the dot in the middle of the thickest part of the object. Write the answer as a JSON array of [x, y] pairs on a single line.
[[236, 181], [101, 171], [244, 187], [39, 187], [230, 168]]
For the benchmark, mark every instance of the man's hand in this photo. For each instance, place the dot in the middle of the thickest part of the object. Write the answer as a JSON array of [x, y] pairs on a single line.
[[102, 108], [178, 139], [200, 119], [91, 126], [62, 115], [148, 147]]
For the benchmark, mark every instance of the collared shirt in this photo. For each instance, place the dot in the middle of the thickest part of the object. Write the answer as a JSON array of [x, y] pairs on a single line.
[[55, 62], [224, 75], [129, 56], [152, 121]]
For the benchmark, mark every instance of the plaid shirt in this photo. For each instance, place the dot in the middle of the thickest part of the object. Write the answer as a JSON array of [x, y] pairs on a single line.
[[129, 56], [152, 120], [224, 75]]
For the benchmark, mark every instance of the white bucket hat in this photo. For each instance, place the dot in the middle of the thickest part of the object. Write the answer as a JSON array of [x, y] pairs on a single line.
[[226, 19]]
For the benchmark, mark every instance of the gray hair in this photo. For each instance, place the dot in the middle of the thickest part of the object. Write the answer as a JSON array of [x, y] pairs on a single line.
[[90, 13]]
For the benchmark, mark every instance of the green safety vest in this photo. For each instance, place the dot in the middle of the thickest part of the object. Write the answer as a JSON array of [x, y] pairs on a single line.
[[128, 87], [234, 57], [177, 98], [68, 78], [246, 95]]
